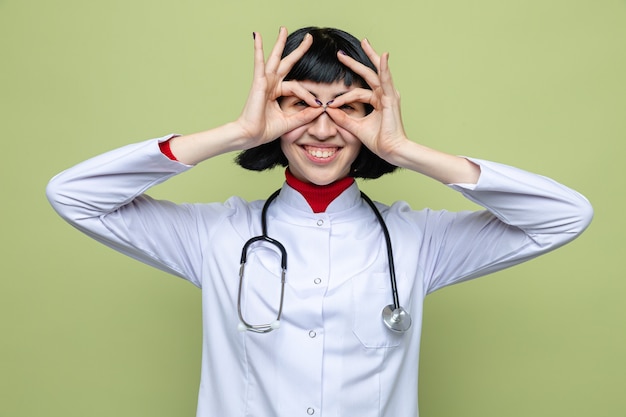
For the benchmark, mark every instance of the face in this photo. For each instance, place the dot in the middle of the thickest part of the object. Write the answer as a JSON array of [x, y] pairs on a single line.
[[321, 152]]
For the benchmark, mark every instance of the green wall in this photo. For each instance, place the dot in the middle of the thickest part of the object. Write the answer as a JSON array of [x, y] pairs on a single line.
[[539, 84]]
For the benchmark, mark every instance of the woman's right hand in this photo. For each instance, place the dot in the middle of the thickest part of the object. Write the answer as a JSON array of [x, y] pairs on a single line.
[[262, 119]]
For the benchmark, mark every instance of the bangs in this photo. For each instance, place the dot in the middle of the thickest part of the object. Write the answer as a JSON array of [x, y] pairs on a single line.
[[320, 64]]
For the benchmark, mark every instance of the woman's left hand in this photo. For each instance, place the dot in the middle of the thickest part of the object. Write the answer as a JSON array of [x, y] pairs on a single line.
[[382, 130]]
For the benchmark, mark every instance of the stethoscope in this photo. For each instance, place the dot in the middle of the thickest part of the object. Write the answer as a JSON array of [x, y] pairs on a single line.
[[396, 318]]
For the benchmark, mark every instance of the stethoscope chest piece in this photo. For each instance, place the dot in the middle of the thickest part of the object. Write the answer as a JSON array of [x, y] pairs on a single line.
[[396, 319]]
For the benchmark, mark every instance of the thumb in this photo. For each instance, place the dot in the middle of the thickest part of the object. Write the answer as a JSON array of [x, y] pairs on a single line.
[[303, 117], [343, 120]]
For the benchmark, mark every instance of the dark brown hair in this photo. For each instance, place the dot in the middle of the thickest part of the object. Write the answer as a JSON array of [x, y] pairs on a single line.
[[320, 64]]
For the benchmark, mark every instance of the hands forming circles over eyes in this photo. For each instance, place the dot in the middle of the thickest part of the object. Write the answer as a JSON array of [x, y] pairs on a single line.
[[262, 119]]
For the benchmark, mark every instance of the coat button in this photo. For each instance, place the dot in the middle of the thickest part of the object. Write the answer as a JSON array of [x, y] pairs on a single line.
[[312, 334], [320, 222], [310, 411], [317, 280]]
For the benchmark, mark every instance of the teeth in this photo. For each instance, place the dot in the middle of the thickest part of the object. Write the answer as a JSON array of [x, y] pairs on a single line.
[[321, 153]]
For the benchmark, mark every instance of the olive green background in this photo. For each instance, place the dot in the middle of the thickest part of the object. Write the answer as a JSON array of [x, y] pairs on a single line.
[[539, 84]]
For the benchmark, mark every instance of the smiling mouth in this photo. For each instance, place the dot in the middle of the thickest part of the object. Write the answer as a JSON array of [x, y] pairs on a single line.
[[321, 153]]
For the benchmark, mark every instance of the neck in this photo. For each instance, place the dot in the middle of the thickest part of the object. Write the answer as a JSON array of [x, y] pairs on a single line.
[[318, 196]]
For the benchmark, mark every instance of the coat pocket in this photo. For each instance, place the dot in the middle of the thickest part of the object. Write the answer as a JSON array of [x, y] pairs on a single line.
[[370, 294]]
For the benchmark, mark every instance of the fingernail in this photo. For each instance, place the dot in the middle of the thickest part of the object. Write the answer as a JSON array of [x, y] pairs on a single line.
[[319, 102], [253, 35], [330, 102], [342, 52]]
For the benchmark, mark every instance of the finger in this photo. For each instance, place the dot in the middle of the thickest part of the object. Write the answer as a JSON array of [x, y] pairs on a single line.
[[303, 117], [274, 59], [259, 56], [383, 79], [369, 75], [360, 95], [382, 64], [294, 88], [344, 121], [371, 53], [290, 60], [386, 81]]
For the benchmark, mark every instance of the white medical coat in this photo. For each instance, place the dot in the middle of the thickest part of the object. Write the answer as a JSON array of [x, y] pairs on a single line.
[[332, 355]]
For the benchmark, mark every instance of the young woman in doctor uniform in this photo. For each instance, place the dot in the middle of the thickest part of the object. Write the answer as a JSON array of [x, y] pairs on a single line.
[[341, 337]]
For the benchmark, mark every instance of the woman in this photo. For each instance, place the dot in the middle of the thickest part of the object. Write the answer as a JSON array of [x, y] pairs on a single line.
[[331, 103]]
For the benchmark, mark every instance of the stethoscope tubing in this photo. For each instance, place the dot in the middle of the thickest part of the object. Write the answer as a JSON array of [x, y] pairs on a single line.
[[394, 316], [392, 268]]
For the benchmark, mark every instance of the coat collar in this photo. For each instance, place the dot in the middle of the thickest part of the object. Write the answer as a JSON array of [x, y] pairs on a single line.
[[345, 203]]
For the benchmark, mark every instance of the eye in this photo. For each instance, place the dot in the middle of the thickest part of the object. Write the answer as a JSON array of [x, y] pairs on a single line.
[[354, 109], [301, 103], [351, 109]]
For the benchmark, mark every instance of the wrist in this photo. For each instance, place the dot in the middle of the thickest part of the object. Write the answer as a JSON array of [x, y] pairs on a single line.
[[197, 147], [396, 152]]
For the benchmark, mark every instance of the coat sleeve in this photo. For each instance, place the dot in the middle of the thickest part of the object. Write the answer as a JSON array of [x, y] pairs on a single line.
[[104, 198], [526, 215]]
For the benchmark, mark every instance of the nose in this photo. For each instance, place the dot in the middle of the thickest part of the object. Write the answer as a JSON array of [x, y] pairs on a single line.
[[323, 127]]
